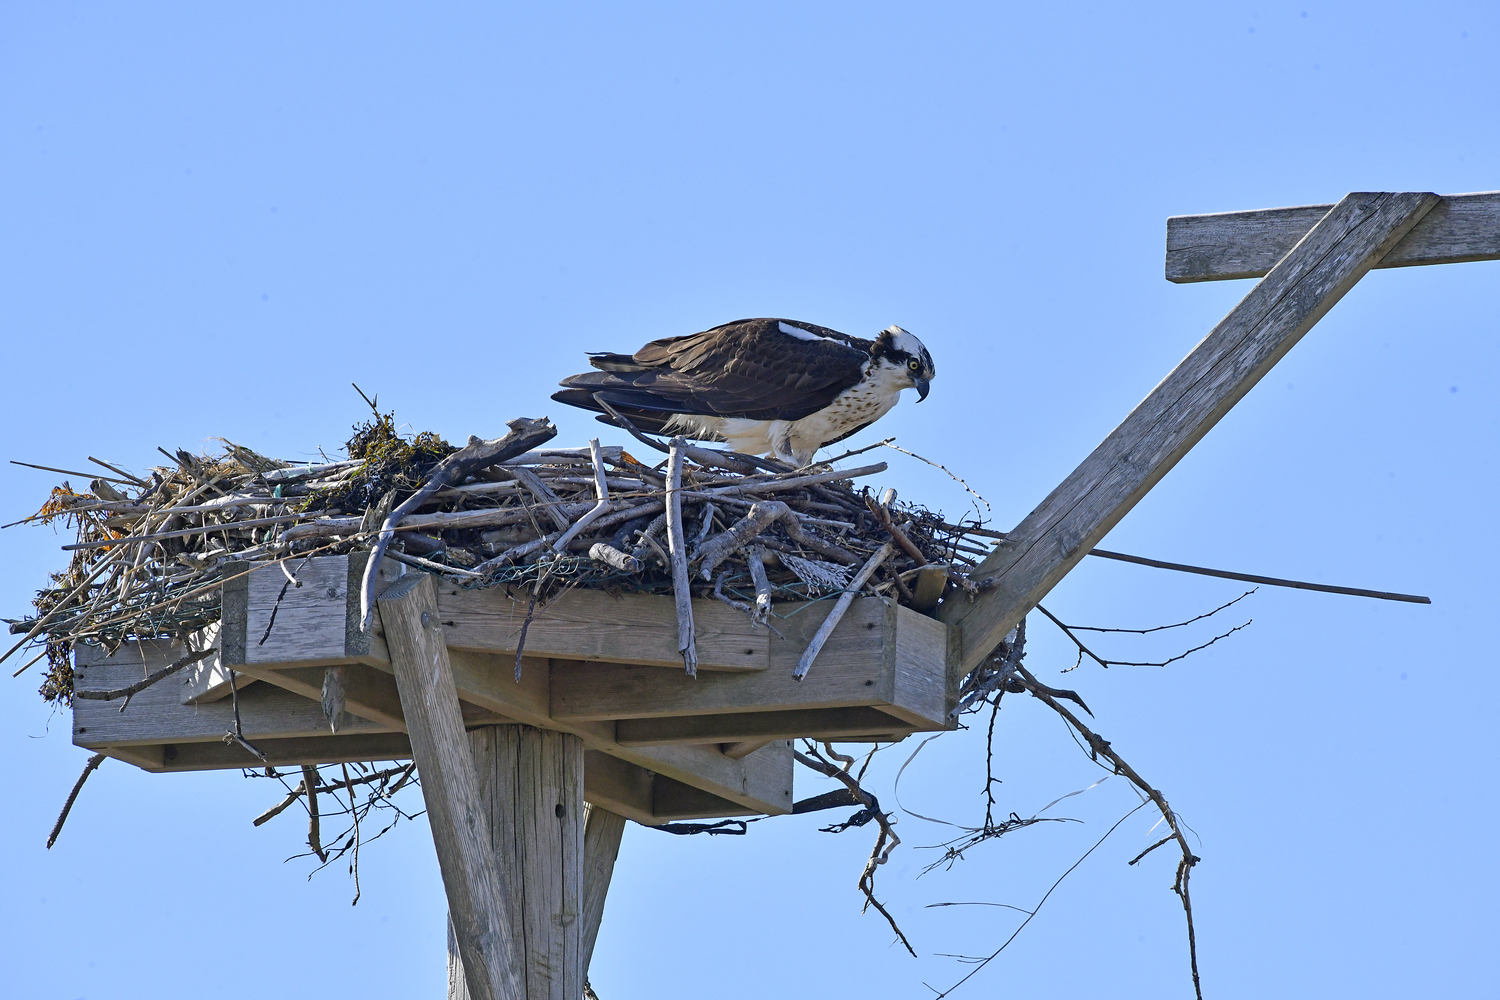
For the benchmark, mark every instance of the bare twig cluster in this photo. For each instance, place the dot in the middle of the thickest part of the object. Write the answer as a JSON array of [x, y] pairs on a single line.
[[323, 799], [885, 842]]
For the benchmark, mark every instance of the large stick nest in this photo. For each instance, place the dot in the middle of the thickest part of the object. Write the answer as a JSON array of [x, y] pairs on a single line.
[[153, 548]]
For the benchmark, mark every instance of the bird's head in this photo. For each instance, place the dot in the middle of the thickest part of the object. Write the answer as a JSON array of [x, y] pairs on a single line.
[[897, 350]]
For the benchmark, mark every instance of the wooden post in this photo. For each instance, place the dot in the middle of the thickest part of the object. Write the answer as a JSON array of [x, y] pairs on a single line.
[[1350, 239], [601, 846], [477, 897], [531, 784]]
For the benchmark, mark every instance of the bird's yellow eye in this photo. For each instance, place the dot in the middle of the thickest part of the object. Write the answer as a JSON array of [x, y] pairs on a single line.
[[914, 365]]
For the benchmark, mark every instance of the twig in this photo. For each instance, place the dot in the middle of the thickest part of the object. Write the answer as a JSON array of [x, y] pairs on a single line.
[[719, 595], [600, 508], [1269, 581], [133, 689], [1032, 913], [237, 734], [44, 620], [1106, 664], [354, 813], [883, 515], [137, 480], [611, 556], [677, 546], [72, 472], [1100, 748], [778, 485], [430, 566], [62, 817], [1163, 628], [840, 606], [856, 451], [935, 465], [882, 850], [310, 781]]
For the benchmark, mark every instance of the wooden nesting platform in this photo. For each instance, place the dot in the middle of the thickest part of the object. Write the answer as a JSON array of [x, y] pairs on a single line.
[[659, 745]]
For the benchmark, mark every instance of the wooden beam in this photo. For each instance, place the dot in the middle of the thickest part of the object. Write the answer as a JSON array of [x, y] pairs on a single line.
[[739, 749], [289, 752], [592, 625], [1298, 291], [601, 847], [460, 829], [157, 715], [1462, 227], [814, 724]]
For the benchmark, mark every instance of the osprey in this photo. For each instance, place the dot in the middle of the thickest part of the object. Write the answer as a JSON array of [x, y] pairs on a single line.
[[762, 386]]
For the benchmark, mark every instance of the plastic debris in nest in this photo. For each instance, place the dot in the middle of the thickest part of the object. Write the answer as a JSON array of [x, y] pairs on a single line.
[[151, 550]]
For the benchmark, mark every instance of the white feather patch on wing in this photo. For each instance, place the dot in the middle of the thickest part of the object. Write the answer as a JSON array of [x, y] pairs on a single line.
[[798, 332]]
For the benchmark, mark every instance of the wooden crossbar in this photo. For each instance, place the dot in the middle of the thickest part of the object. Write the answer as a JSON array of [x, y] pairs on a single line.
[[1335, 253], [1461, 227]]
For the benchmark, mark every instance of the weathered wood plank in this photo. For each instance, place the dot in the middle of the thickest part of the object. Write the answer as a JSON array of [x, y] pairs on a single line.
[[601, 847], [1462, 227], [855, 670], [292, 730], [816, 724], [619, 786], [216, 754], [460, 829], [593, 625], [1354, 235], [531, 784], [157, 715], [923, 694]]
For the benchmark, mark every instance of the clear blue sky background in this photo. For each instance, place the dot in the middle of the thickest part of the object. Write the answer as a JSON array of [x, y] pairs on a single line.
[[215, 217]]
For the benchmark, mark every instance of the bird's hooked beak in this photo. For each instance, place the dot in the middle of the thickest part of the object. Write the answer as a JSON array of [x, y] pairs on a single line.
[[922, 386]]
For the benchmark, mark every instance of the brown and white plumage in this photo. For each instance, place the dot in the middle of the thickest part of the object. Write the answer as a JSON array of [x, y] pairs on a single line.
[[761, 385]]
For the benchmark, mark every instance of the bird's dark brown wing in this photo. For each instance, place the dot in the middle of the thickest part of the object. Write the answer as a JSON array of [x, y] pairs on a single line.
[[750, 368]]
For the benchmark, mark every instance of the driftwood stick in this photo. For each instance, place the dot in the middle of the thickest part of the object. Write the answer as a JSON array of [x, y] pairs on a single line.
[[550, 503], [285, 803], [719, 595], [755, 558], [677, 547], [478, 454], [883, 515], [62, 817], [314, 826], [601, 506], [837, 614], [777, 485], [739, 534], [512, 554], [611, 556], [707, 525]]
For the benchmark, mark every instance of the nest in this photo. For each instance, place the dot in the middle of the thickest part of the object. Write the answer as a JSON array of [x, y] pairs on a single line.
[[152, 549]]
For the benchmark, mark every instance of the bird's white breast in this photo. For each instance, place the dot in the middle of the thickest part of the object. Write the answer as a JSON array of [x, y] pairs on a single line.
[[800, 440]]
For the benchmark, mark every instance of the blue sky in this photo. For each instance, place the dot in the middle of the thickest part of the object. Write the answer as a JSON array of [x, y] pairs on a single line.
[[215, 217]]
